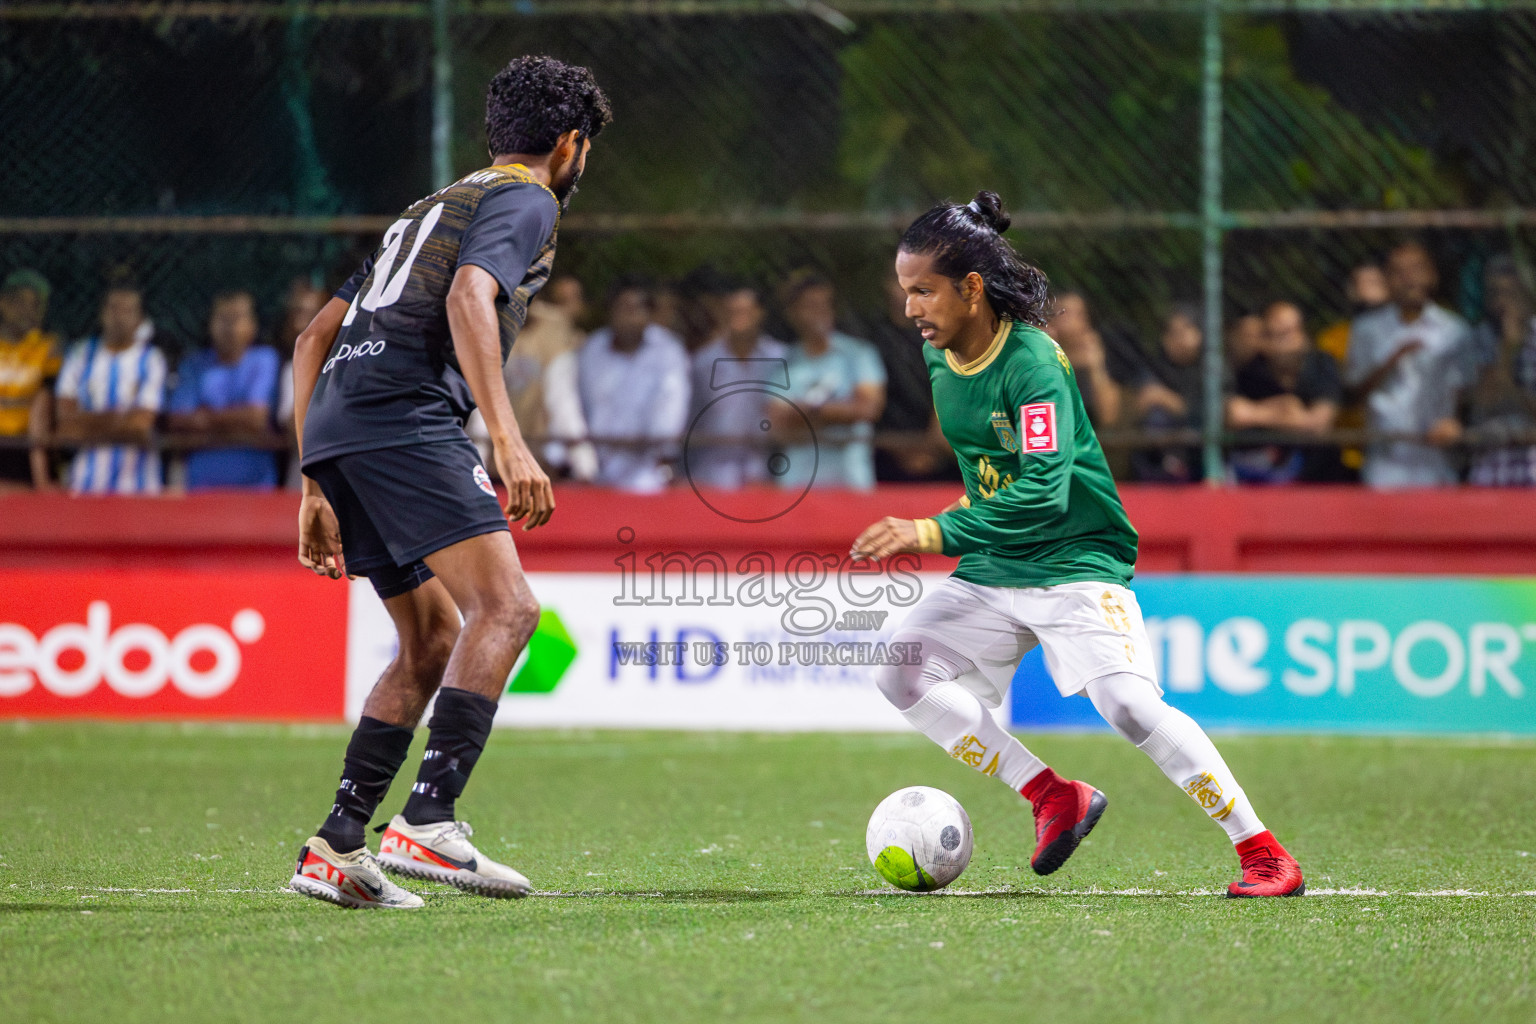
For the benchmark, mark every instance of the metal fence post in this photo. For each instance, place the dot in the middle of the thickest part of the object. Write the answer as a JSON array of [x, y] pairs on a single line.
[[442, 98], [1211, 229]]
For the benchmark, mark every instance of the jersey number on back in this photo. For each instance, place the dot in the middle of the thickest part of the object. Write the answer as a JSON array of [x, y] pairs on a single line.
[[387, 286]]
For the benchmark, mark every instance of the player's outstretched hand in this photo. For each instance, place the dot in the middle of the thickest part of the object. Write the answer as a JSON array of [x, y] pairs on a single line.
[[529, 493], [890, 536], [320, 538]]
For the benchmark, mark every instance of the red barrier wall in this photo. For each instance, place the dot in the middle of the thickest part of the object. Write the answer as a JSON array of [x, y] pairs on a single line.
[[1327, 530]]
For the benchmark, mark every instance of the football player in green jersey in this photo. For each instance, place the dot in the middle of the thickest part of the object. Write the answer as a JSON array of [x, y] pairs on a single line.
[[1045, 553]]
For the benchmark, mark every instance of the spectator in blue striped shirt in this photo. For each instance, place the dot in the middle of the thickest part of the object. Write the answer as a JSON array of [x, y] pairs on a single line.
[[109, 392]]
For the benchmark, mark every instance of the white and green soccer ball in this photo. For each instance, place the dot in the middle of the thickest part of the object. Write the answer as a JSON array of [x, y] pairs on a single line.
[[919, 839]]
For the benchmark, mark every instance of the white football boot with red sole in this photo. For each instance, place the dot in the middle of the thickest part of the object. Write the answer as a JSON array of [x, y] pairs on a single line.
[[442, 852], [347, 879]]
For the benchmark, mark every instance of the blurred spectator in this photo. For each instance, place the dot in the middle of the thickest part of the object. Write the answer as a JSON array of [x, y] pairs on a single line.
[[1245, 338], [29, 362], [1366, 289], [633, 379], [1170, 396], [1407, 362], [1507, 309], [1502, 404], [1288, 386], [550, 332], [704, 294], [908, 395], [303, 304], [1072, 327], [735, 380], [837, 382], [542, 380], [565, 420], [110, 390], [667, 309], [224, 393], [566, 294]]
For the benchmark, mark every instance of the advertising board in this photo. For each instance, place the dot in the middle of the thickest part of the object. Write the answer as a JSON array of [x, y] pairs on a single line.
[[1328, 654], [171, 644]]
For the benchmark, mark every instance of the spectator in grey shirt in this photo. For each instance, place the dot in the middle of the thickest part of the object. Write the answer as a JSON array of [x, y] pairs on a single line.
[[737, 378], [1408, 362], [633, 379]]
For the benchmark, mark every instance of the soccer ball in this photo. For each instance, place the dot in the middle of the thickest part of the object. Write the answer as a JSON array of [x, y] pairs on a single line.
[[919, 839]]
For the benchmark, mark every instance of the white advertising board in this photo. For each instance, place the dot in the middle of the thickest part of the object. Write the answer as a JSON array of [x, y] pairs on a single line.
[[787, 650]]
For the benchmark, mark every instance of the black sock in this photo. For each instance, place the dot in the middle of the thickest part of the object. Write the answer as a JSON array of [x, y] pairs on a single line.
[[461, 723], [374, 756]]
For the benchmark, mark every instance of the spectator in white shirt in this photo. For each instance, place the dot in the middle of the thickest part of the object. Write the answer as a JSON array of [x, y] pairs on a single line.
[[109, 392], [633, 379], [736, 378], [1408, 362]]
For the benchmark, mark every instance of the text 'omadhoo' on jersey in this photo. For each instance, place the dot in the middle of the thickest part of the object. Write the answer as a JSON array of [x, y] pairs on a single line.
[[1043, 508], [392, 377]]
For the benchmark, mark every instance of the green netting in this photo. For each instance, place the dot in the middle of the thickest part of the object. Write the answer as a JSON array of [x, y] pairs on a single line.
[[756, 137]]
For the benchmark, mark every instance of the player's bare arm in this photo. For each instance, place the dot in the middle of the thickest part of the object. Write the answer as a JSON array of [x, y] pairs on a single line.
[[319, 535], [477, 343], [893, 536]]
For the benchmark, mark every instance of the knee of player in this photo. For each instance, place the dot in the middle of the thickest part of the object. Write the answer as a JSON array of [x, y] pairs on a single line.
[[515, 614], [905, 683], [1129, 704], [900, 684]]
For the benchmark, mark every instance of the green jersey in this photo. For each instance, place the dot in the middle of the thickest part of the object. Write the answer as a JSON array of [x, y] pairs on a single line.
[[1041, 507]]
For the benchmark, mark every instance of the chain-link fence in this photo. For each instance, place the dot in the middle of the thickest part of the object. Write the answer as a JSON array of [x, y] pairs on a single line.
[[1152, 150]]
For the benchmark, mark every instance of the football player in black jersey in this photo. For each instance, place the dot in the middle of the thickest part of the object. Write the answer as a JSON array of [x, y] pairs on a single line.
[[394, 490]]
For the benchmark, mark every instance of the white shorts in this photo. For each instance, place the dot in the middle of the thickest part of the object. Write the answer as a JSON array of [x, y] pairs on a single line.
[[1088, 630]]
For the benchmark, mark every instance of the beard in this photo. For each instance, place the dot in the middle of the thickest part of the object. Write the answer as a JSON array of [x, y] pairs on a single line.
[[566, 191]]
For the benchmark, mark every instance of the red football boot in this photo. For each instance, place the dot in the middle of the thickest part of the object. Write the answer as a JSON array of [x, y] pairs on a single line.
[[1065, 812], [1267, 869]]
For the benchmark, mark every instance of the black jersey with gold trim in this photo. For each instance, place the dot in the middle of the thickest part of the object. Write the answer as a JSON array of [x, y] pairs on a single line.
[[391, 376]]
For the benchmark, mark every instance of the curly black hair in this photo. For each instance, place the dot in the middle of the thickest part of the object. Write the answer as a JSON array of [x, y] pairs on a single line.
[[966, 237], [534, 100]]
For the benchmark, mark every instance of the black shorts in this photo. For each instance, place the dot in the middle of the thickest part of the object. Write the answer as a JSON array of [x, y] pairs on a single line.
[[398, 505]]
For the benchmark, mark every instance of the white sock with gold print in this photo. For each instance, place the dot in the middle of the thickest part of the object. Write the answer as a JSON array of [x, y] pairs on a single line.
[[952, 717], [1188, 757]]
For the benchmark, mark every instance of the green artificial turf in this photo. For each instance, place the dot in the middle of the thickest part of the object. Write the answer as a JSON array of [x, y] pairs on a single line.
[[723, 878]]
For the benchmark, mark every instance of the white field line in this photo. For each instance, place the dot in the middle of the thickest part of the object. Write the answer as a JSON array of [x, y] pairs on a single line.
[[89, 892], [1351, 891]]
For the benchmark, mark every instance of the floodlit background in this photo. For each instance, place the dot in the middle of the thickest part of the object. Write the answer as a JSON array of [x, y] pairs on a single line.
[[174, 689]]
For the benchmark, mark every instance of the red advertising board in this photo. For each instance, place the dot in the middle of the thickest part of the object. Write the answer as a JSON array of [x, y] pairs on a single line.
[[176, 644]]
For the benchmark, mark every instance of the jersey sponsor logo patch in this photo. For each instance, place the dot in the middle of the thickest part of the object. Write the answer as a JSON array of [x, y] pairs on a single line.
[[347, 353], [1038, 421], [1004, 430], [483, 480]]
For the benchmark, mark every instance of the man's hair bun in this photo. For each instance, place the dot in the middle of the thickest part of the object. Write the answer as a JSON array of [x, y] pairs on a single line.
[[989, 207]]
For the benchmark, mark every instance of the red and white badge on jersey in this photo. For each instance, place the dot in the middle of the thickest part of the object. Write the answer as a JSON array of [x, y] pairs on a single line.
[[1038, 423]]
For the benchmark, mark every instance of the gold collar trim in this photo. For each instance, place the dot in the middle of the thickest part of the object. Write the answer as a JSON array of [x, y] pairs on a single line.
[[521, 171], [984, 360]]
